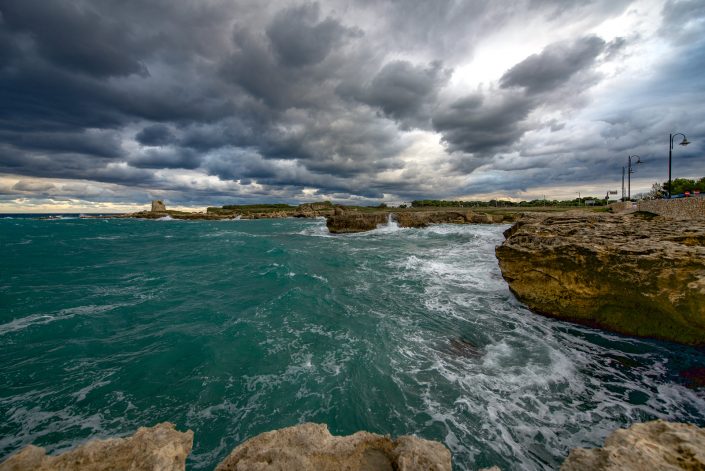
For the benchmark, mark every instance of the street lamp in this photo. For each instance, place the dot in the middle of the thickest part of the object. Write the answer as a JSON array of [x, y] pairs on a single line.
[[684, 142], [629, 175]]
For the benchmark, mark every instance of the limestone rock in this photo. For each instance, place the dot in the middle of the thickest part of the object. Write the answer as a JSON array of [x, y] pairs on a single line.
[[158, 448], [355, 222], [651, 445], [342, 222], [158, 206], [634, 274], [311, 447]]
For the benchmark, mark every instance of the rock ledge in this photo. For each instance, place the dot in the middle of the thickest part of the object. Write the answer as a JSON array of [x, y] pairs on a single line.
[[637, 274], [651, 445]]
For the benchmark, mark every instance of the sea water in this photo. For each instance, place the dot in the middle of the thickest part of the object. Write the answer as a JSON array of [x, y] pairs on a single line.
[[233, 328]]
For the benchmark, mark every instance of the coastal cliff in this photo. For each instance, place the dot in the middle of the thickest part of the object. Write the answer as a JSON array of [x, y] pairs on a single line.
[[636, 274]]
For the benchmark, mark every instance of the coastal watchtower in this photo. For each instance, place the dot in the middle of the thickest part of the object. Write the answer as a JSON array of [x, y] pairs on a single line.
[[158, 206]]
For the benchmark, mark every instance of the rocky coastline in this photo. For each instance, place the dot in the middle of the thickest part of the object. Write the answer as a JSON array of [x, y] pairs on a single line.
[[311, 447], [342, 222], [339, 219], [637, 274]]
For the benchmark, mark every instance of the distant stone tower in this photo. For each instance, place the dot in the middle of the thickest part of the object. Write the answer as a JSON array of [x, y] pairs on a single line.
[[158, 206]]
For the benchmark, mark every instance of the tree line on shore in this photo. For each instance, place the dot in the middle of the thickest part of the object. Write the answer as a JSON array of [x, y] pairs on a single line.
[[679, 186]]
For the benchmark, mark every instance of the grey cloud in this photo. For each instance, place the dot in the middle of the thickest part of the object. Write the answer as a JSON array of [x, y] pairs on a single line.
[[294, 96], [299, 39], [165, 157], [75, 36], [403, 91], [104, 144], [554, 66], [32, 186], [682, 21], [155, 135], [475, 125]]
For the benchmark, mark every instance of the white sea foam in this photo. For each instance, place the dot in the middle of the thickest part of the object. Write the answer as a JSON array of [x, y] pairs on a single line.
[[165, 218], [41, 319]]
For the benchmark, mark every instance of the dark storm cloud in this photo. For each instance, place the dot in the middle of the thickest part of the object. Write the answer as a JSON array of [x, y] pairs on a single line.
[[105, 144], [155, 135], [299, 39], [555, 65], [74, 36], [165, 157], [339, 98], [475, 125], [403, 91]]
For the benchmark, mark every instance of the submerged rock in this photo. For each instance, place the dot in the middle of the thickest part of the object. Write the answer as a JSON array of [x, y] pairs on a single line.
[[626, 273], [651, 445], [311, 447], [158, 448]]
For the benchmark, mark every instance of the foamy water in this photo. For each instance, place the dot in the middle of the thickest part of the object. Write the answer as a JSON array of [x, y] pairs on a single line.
[[232, 331]]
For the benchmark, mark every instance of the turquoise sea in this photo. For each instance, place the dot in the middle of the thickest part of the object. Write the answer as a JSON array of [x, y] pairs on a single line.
[[233, 328]]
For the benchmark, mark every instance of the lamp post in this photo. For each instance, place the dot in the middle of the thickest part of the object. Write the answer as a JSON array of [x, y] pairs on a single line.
[[684, 142], [629, 175]]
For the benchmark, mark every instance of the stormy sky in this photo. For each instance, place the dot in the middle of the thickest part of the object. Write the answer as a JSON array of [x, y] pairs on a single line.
[[107, 104]]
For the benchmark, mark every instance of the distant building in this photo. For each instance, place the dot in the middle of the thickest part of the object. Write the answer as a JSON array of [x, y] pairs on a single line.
[[158, 206]]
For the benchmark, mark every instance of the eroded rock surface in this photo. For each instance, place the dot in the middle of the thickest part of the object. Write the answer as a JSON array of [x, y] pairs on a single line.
[[158, 448], [311, 447], [634, 274], [353, 221], [651, 445]]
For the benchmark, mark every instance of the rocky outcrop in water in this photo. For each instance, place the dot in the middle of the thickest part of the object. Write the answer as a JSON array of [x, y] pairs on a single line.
[[348, 222], [651, 445], [353, 221], [158, 448], [311, 447], [635, 274]]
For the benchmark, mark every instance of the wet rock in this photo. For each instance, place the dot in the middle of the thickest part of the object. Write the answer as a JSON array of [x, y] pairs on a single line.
[[651, 445], [355, 222], [158, 448], [311, 447], [694, 377], [464, 348], [629, 274]]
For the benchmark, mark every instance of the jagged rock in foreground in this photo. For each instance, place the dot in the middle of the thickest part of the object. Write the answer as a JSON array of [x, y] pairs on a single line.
[[633, 274], [311, 447], [651, 445], [158, 448]]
